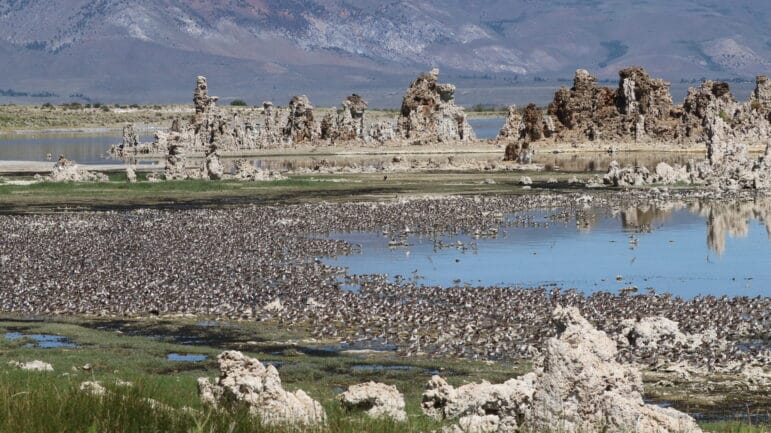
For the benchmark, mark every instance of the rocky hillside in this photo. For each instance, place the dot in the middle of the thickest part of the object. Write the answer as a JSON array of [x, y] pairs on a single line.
[[149, 50]]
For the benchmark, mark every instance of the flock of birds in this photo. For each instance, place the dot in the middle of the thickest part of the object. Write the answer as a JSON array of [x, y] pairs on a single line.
[[265, 262]]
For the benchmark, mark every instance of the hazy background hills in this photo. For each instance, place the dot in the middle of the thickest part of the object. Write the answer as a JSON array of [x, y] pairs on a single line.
[[497, 52]]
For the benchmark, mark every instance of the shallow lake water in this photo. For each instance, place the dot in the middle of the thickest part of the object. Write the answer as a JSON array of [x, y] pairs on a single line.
[[43, 341], [87, 148], [80, 147], [185, 357], [487, 127], [687, 250]]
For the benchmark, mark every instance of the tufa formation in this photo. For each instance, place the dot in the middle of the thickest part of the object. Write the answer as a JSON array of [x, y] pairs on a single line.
[[429, 113], [579, 387], [244, 381]]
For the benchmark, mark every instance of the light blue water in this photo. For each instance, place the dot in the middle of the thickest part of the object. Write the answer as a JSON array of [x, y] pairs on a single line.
[[82, 148], [43, 341], [726, 252], [487, 127], [371, 368], [177, 357]]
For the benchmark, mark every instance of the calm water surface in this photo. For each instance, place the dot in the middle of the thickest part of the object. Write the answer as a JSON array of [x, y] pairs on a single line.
[[687, 250], [487, 127], [83, 148], [44, 341], [92, 149], [185, 357]]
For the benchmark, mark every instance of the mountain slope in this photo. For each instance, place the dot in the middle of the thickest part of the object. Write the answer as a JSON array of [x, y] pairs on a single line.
[[144, 50]]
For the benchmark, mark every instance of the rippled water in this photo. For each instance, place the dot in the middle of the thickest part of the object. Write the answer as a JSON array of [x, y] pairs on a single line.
[[687, 250]]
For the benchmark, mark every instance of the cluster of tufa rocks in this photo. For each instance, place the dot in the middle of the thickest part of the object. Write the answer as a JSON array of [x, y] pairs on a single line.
[[429, 113], [578, 386], [65, 170], [377, 400], [348, 122], [728, 167], [640, 109], [245, 381], [523, 128]]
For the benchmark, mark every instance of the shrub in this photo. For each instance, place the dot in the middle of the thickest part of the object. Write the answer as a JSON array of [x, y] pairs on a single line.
[[238, 103]]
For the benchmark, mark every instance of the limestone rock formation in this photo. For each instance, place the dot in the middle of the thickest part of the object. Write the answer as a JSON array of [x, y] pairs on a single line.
[[245, 381], [640, 109], [586, 110], [272, 132], [35, 365], [247, 171], [513, 128], [582, 388], [711, 98], [66, 170], [175, 160], [481, 406], [518, 152], [626, 176], [578, 387], [532, 124], [669, 175], [649, 336], [664, 174], [378, 400], [130, 141], [348, 123], [762, 92], [300, 126], [640, 94], [204, 103], [727, 167], [380, 132], [93, 388], [131, 174], [231, 129], [659, 333], [429, 112], [520, 130], [213, 169]]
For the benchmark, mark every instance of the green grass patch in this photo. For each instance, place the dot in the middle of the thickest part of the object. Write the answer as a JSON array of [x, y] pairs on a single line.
[[299, 188], [164, 397], [734, 427]]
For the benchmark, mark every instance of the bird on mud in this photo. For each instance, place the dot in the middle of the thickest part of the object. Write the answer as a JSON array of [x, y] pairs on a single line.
[[256, 262]]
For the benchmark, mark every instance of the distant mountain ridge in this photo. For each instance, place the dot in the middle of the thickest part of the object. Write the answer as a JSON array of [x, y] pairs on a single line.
[[148, 51]]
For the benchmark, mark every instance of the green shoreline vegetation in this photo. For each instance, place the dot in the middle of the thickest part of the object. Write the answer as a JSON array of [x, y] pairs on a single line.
[[135, 350], [299, 188], [163, 395]]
